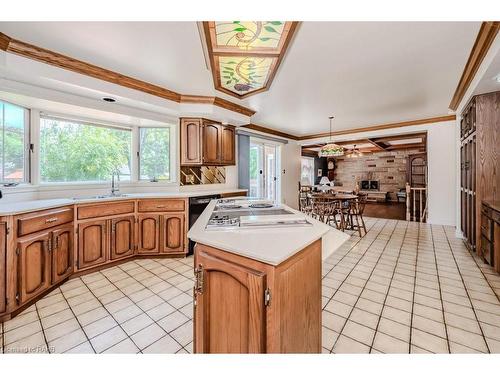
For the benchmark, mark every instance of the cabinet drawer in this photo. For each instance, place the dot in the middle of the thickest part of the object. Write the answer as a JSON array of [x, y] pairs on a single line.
[[37, 221], [105, 209], [486, 251], [157, 205]]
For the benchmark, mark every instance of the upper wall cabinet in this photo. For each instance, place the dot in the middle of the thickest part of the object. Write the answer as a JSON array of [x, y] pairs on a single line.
[[205, 142]]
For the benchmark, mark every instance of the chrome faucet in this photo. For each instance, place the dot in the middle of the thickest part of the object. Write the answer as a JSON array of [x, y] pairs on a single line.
[[114, 186]]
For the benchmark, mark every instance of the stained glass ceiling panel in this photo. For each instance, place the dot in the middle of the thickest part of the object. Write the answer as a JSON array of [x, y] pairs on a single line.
[[248, 35], [246, 74]]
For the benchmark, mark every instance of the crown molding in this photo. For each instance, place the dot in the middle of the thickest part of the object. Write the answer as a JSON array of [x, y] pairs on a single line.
[[485, 37], [46, 56], [263, 129]]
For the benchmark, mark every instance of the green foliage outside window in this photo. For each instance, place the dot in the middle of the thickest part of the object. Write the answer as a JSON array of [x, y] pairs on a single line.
[[12, 143], [80, 152], [154, 151]]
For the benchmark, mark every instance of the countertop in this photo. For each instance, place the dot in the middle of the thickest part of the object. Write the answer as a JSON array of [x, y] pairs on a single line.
[[268, 245], [14, 208]]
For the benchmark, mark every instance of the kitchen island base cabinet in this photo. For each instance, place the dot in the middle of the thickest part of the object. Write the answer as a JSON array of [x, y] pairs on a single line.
[[246, 306]]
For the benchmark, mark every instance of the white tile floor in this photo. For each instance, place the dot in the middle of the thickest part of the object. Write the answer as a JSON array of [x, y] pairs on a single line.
[[403, 288]]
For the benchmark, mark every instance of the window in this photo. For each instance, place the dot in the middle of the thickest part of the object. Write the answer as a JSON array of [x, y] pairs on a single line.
[[307, 171], [77, 151], [14, 139], [154, 154]]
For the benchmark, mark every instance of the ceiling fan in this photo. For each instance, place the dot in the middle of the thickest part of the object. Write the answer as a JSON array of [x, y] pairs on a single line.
[[354, 152]]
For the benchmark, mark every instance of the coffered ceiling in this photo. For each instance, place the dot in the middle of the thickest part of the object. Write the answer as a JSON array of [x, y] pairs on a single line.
[[364, 73]]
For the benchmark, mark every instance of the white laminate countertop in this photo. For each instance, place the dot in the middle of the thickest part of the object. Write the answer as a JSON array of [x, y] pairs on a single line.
[[14, 208], [268, 245]]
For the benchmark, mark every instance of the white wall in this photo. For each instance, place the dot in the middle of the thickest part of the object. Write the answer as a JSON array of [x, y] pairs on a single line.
[[290, 173]]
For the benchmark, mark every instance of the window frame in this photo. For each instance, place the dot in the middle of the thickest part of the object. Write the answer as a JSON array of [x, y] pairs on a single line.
[[27, 145]]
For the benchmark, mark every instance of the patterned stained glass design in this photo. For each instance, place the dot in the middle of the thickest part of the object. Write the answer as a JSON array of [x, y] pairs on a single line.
[[244, 74], [248, 35], [244, 55]]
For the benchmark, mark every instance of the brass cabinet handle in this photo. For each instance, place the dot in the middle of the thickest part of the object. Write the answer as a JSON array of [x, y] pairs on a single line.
[[51, 220], [161, 206]]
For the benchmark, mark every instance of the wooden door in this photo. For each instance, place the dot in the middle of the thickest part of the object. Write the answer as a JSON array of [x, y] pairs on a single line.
[[149, 234], [3, 266], [191, 142], [227, 145], [211, 144], [172, 233], [92, 243], [229, 315], [122, 237], [417, 170], [62, 252], [33, 262]]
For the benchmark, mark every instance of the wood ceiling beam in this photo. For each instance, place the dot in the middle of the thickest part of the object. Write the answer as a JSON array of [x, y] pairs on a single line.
[[46, 56], [394, 125], [263, 129], [485, 37], [399, 137], [405, 146], [376, 144]]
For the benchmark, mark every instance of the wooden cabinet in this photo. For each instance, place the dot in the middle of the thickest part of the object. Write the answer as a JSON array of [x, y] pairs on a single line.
[[212, 142], [490, 233], [122, 237], [92, 243], [227, 145], [3, 267], [33, 267], [191, 146], [62, 250], [205, 142], [148, 233], [480, 174], [245, 306], [173, 233]]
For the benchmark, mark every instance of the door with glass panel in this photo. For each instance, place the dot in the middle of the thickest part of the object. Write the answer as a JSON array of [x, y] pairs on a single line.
[[264, 167]]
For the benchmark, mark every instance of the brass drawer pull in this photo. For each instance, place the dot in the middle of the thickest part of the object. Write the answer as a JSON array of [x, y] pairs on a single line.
[[161, 206], [51, 220]]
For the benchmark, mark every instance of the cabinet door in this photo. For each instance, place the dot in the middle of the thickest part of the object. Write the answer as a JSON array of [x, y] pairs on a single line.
[[191, 142], [33, 271], [173, 232], [62, 252], [228, 140], [229, 315], [92, 243], [3, 264], [149, 234], [122, 237], [212, 144]]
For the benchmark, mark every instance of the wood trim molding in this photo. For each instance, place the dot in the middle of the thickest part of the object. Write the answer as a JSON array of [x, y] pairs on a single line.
[[263, 129], [484, 39], [381, 127], [46, 56]]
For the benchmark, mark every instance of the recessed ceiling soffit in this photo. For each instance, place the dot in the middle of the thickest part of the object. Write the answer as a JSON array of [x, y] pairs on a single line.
[[244, 55]]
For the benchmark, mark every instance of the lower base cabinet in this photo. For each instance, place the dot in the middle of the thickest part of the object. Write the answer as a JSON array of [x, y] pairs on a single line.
[[92, 243], [245, 306], [33, 266], [3, 267], [122, 237], [148, 233], [62, 253], [172, 233]]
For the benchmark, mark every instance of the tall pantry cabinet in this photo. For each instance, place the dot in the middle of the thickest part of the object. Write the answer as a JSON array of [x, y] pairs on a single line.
[[479, 158]]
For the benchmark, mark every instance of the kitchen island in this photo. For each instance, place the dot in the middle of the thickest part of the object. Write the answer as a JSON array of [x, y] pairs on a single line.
[[258, 278]]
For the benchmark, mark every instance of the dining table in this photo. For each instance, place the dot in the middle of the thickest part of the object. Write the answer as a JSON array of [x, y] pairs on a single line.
[[343, 198]]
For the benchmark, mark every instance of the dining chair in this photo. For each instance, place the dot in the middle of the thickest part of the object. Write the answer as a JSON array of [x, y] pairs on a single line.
[[356, 209], [322, 207]]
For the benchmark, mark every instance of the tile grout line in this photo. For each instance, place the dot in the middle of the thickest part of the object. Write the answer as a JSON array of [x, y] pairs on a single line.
[[466, 291], [389, 287], [145, 312], [43, 330], [368, 278], [440, 291], [414, 288]]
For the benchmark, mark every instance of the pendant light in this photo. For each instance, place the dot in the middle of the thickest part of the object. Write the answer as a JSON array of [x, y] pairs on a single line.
[[331, 149]]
